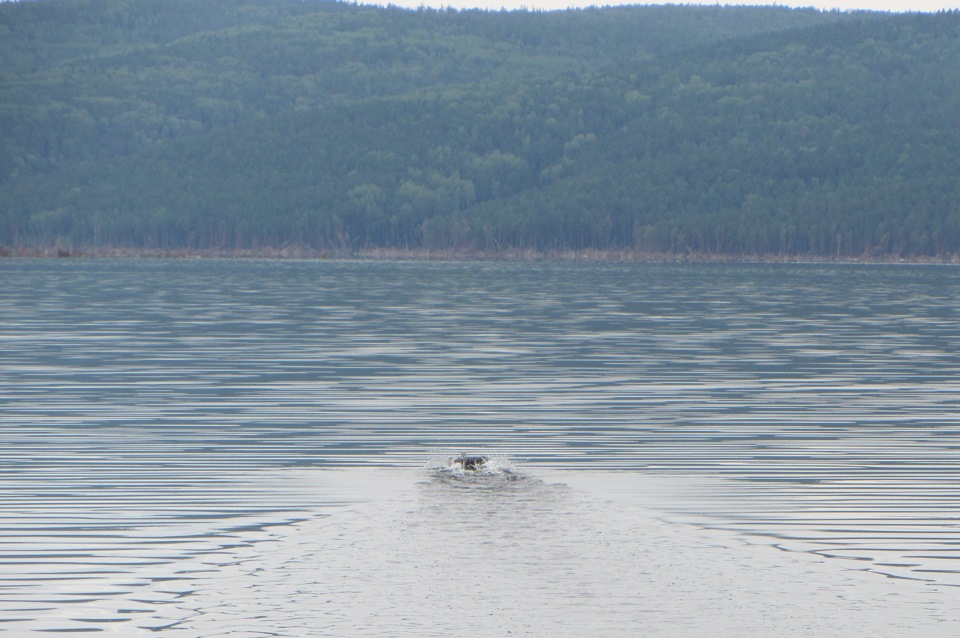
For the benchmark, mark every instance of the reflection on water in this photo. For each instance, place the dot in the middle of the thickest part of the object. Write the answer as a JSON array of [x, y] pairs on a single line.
[[216, 447]]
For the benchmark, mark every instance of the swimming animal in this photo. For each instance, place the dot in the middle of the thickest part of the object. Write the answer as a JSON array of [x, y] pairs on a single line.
[[470, 462]]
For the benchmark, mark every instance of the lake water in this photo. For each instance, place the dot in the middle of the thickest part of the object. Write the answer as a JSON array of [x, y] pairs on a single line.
[[260, 448]]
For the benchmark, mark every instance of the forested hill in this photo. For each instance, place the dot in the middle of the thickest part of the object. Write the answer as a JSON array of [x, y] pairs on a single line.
[[250, 124]]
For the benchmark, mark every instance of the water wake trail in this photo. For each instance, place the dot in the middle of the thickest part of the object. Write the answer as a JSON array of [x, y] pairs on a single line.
[[533, 557]]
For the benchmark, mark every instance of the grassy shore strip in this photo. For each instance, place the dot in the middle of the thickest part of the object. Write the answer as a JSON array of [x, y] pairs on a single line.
[[420, 254]]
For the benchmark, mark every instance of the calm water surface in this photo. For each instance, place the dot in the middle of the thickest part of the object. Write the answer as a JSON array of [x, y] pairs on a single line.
[[239, 448]]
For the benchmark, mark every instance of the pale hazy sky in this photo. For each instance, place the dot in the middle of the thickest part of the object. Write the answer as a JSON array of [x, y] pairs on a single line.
[[873, 5]]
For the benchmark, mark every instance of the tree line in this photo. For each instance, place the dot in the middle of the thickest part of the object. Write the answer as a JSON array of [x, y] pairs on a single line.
[[176, 124]]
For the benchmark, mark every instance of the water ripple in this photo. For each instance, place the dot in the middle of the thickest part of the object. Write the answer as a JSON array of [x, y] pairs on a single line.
[[162, 421]]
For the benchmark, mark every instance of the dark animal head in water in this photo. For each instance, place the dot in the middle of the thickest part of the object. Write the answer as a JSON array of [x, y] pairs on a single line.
[[470, 462]]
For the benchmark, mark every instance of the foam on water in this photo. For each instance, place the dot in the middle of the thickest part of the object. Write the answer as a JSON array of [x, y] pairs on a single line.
[[493, 466]]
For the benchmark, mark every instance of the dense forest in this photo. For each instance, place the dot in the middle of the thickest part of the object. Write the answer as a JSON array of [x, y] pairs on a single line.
[[339, 128]]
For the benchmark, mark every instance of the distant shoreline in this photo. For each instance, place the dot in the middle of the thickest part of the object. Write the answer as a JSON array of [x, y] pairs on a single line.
[[396, 254]]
